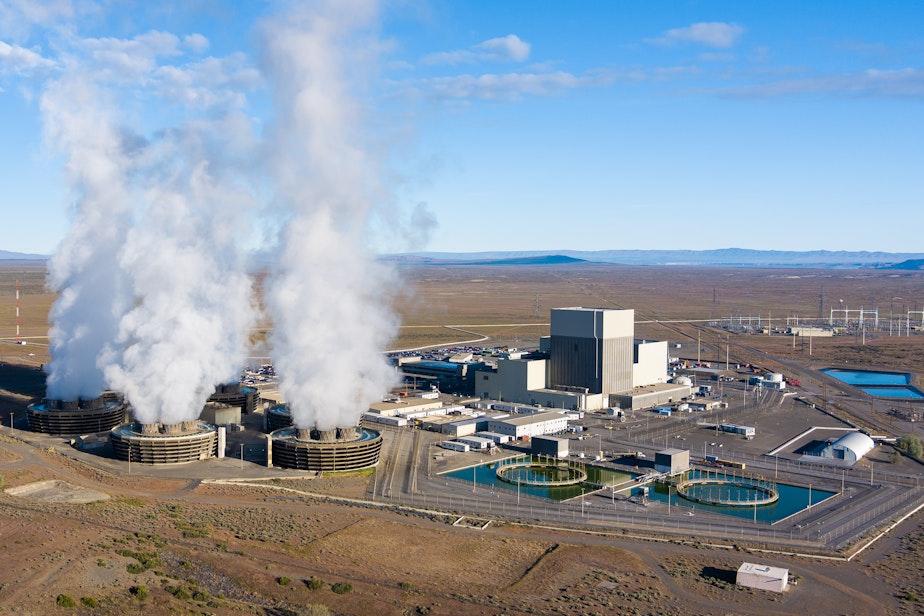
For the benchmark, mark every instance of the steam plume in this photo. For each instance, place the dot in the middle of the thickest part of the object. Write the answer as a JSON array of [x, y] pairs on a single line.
[[328, 298], [187, 331], [79, 122]]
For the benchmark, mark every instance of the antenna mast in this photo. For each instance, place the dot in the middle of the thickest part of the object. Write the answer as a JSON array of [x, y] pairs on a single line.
[[18, 340]]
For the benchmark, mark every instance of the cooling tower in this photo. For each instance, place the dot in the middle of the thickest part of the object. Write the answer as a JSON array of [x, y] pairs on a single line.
[[76, 416], [277, 417], [341, 449], [157, 443], [233, 394]]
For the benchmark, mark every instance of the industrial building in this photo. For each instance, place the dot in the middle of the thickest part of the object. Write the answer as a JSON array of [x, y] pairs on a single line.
[[647, 396], [672, 461], [476, 443], [219, 414], [550, 446], [763, 577], [812, 332], [527, 426], [849, 448], [453, 375], [590, 356]]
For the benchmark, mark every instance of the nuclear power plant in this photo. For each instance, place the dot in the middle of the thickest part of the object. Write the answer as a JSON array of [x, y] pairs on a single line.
[[156, 443], [339, 449], [62, 417]]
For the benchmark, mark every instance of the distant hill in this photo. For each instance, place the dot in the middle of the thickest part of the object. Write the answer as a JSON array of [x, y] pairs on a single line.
[[725, 257], [910, 264], [524, 260], [6, 255]]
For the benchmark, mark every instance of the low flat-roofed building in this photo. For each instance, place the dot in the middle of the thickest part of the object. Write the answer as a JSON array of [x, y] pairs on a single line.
[[649, 396], [763, 577], [476, 442], [499, 439], [463, 427], [527, 426], [404, 405], [814, 332]]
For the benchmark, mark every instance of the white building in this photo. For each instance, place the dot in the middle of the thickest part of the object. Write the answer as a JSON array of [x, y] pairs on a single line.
[[529, 425], [763, 577], [592, 354], [850, 448], [476, 443]]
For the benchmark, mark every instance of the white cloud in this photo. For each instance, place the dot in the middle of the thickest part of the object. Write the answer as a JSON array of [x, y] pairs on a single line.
[[505, 48], [900, 83], [709, 33], [208, 83], [17, 17], [196, 42], [510, 48], [509, 86], [19, 60], [129, 59]]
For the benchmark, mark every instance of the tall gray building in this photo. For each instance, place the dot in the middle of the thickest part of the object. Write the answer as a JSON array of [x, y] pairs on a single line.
[[592, 348]]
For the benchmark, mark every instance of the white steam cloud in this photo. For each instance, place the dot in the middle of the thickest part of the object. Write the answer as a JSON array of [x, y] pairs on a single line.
[[155, 300], [328, 298], [79, 121], [187, 331]]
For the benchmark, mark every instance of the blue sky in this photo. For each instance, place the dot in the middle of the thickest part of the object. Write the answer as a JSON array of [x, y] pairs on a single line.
[[527, 125]]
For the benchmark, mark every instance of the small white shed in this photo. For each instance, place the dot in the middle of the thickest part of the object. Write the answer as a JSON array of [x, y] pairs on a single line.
[[763, 577]]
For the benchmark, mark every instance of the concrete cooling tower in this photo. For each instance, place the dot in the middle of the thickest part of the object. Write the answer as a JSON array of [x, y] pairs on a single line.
[[158, 443], [234, 394], [77, 416], [340, 449], [276, 418]]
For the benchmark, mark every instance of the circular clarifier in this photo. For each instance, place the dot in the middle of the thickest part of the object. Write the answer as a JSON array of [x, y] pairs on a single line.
[[728, 492], [542, 474]]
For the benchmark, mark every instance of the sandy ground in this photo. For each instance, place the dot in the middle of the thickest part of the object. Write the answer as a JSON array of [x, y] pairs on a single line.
[[225, 549]]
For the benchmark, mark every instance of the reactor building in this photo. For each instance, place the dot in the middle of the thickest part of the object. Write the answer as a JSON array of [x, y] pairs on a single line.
[[592, 360]]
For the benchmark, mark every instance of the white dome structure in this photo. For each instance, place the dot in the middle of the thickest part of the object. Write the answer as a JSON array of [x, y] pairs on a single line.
[[850, 448]]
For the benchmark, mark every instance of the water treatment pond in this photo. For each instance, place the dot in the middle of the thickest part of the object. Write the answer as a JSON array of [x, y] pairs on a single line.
[[793, 499], [485, 475], [878, 384]]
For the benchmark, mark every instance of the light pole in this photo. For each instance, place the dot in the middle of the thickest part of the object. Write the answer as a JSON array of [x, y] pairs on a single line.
[[242, 456], [11, 421]]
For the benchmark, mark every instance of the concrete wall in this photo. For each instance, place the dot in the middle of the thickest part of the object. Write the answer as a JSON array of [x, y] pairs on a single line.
[[650, 363], [513, 379]]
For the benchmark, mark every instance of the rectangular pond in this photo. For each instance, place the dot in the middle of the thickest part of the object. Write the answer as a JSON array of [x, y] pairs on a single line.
[[878, 384]]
